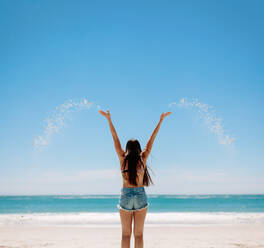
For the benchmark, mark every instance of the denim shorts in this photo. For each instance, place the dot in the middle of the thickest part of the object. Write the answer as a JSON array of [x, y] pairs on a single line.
[[133, 199]]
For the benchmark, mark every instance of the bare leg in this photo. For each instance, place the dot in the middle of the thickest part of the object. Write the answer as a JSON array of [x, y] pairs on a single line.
[[126, 221], [139, 220]]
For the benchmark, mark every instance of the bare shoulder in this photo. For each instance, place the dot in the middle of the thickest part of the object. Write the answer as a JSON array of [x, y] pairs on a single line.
[[143, 154], [143, 158], [121, 160]]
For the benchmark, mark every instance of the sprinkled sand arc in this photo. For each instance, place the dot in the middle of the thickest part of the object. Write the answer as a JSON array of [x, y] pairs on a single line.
[[207, 114], [57, 119]]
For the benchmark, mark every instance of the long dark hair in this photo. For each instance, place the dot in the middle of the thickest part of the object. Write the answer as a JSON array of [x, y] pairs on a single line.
[[133, 150]]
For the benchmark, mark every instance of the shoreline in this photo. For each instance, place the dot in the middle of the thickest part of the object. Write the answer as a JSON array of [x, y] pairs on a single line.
[[90, 219]]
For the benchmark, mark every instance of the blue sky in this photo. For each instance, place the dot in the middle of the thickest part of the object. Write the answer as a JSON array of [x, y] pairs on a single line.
[[133, 58]]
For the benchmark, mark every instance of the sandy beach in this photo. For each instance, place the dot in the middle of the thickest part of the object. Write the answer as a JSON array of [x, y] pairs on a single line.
[[162, 230], [210, 236]]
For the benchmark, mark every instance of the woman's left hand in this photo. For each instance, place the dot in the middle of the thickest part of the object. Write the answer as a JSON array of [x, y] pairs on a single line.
[[105, 114], [163, 115]]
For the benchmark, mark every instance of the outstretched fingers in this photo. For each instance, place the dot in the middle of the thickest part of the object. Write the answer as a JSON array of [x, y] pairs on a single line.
[[105, 114], [163, 115]]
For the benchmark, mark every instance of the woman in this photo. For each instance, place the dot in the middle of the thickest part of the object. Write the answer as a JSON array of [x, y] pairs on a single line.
[[133, 202]]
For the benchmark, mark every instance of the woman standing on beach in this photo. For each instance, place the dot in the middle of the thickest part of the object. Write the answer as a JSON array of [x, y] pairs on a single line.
[[133, 203]]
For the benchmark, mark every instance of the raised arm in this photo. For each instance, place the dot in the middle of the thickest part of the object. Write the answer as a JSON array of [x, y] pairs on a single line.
[[120, 152], [146, 151]]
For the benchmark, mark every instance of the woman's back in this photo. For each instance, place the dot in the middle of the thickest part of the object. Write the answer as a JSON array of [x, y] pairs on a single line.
[[140, 174]]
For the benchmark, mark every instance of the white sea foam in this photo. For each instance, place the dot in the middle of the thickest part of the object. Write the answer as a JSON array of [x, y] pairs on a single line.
[[88, 197], [207, 113], [56, 120], [189, 196], [113, 219]]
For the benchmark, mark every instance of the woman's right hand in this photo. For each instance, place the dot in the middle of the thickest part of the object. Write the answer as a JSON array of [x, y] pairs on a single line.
[[105, 114], [163, 115]]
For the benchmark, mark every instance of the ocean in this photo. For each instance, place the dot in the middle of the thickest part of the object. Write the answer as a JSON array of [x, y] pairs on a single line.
[[107, 203], [102, 209]]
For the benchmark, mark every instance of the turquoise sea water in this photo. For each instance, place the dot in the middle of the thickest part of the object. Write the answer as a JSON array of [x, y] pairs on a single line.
[[107, 203]]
